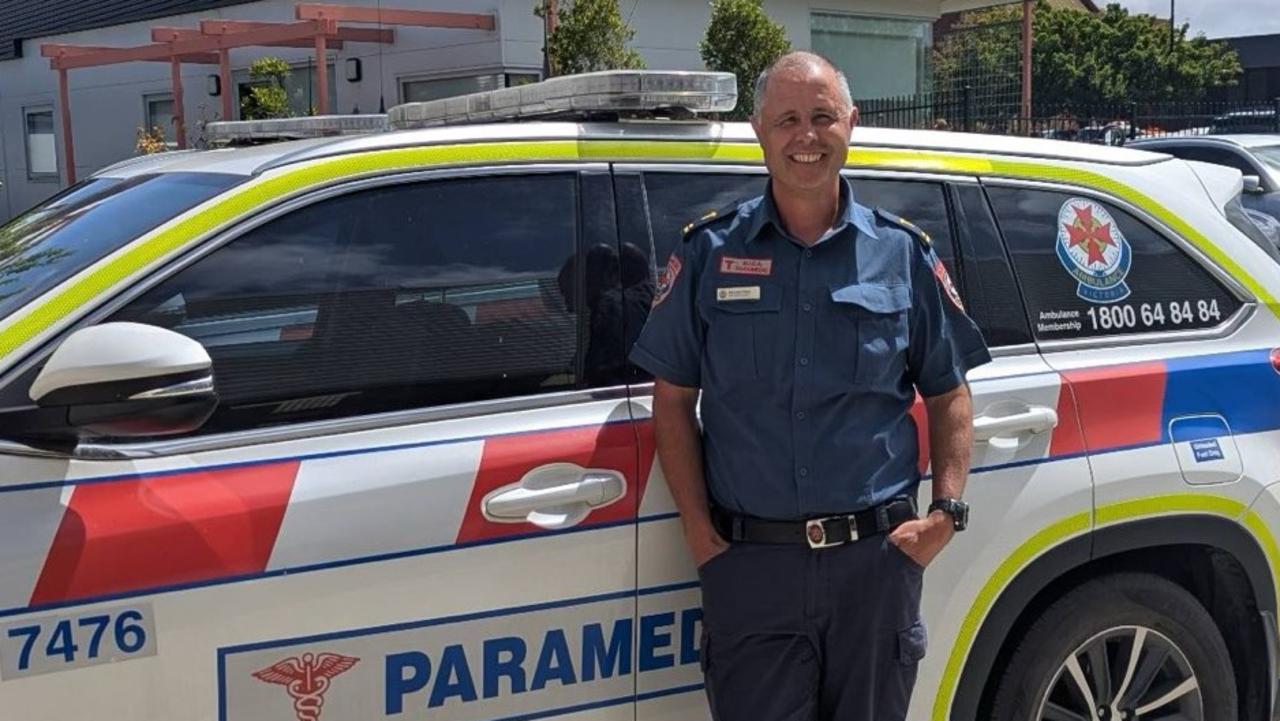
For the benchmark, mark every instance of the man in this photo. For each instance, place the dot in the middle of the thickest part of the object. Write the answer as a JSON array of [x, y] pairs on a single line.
[[807, 322]]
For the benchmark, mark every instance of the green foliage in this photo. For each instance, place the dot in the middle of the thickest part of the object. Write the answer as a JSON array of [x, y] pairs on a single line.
[[590, 35], [268, 98], [741, 39], [1081, 58]]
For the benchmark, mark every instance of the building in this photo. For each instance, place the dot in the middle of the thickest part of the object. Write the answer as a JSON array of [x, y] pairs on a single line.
[[1260, 58], [884, 45]]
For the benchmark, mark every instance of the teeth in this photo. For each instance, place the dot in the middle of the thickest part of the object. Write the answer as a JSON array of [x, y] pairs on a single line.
[[807, 158]]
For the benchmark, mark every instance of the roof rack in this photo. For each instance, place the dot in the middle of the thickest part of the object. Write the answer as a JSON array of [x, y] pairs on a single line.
[[611, 94], [252, 132]]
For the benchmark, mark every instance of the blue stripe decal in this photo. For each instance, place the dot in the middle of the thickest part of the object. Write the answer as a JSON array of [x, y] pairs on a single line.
[[1198, 428], [1242, 387]]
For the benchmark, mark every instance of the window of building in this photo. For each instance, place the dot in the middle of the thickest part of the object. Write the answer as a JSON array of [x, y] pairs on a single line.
[[42, 148], [396, 297], [1089, 269], [159, 114], [301, 87], [421, 89], [883, 56]]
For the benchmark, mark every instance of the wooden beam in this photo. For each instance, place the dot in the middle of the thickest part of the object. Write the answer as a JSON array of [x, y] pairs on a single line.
[[224, 72], [179, 121], [322, 75], [231, 27], [392, 16], [68, 144], [204, 44], [62, 51]]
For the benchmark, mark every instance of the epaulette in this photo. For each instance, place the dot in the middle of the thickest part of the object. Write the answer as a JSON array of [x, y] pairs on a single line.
[[906, 225], [710, 217]]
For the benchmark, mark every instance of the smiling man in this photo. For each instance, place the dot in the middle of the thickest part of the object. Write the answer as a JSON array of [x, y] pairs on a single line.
[[807, 323]]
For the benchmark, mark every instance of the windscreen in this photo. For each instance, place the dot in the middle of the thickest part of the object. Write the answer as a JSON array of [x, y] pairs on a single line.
[[54, 240]]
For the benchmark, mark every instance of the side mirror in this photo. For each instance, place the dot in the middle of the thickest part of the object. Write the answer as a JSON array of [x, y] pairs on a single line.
[[1253, 185], [122, 380]]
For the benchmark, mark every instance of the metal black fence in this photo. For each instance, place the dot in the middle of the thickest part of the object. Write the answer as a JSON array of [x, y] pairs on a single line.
[[997, 111]]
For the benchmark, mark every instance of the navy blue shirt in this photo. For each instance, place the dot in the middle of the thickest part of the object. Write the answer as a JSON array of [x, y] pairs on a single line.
[[808, 358]]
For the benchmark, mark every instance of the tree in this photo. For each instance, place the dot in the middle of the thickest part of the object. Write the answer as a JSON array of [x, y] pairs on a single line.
[[741, 39], [590, 35], [268, 98], [1084, 59]]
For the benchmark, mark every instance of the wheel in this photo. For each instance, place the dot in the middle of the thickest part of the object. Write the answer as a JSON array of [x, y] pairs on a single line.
[[1124, 647]]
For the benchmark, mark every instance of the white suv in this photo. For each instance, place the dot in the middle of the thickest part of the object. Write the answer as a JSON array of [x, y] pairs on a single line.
[[342, 428]]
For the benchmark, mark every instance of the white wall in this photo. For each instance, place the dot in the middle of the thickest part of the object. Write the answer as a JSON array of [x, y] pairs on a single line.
[[107, 102]]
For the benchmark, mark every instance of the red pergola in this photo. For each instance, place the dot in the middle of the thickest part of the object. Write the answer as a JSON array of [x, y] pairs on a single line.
[[317, 26]]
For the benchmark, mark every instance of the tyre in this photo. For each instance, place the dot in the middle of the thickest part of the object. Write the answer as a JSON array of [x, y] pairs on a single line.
[[1124, 647]]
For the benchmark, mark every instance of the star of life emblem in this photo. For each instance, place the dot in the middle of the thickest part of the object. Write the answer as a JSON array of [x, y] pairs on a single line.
[[306, 679], [1094, 251]]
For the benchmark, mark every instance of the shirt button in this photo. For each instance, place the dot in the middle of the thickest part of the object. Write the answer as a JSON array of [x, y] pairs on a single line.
[[808, 253], [800, 415], [807, 307], [803, 471], [804, 361]]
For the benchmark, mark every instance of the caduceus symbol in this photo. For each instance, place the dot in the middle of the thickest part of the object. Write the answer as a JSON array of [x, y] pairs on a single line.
[[306, 679]]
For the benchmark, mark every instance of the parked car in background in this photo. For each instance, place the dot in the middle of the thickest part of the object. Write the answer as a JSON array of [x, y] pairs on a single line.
[[1256, 156], [1261, 120]]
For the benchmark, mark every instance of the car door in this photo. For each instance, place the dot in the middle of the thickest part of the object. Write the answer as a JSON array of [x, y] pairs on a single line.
[[1024, 414], [416, 497]]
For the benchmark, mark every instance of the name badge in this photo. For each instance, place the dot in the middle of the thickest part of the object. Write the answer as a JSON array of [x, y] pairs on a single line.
[[742, 292], [746, 266]]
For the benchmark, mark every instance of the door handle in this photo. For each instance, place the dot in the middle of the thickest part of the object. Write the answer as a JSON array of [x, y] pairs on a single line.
[[1002, 431], [557, 495]]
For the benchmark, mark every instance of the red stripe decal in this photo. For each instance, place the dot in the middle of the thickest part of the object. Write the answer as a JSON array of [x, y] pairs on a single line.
[[506, 459], [1120, 405], [1067, 437], [165, 530]]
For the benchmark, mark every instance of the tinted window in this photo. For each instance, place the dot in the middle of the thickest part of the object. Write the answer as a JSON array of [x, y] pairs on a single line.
[[1212, 155], [394, 297], [991, 293], [673, 200], [920, 202], [70, 231], [1090, 269]]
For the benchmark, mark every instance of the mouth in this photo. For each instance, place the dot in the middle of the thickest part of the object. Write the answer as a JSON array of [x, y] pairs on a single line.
[[806, 158]]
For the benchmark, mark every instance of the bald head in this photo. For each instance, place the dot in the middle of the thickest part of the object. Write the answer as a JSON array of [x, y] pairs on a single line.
[[802, 64]]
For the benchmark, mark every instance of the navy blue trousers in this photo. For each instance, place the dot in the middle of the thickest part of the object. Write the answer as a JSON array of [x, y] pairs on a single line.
[[798, 634]]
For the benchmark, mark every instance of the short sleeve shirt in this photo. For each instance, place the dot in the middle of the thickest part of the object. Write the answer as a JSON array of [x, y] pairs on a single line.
[[808, 358]]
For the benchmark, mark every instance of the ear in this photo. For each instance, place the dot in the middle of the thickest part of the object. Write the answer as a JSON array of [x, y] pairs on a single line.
[[853, 117], [755, 127]]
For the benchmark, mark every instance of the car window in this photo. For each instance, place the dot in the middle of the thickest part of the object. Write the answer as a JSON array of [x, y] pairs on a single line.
[[74, 229], [1269, 155], [660, 204], [395, 297], [1090, 269], [991, 293], [673, 200], [1217, 156], [922, 203]]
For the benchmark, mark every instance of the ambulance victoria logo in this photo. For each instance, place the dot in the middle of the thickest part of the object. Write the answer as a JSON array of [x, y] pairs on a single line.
[[1094, 251], [306, 679]]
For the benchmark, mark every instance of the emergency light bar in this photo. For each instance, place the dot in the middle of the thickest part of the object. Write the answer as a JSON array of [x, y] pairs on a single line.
[[226, 132], [625, 93]]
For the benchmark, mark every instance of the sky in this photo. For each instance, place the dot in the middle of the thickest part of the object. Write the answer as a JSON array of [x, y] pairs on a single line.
[[1215, 18]]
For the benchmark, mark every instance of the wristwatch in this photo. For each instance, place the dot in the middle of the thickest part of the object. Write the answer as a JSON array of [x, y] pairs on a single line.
[[954, 507]]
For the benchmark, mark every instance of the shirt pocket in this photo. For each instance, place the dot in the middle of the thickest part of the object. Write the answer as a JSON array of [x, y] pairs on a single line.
[[878, 315], [741, 332]]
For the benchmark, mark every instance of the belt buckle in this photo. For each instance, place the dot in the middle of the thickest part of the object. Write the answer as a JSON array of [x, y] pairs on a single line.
[[815, 532]]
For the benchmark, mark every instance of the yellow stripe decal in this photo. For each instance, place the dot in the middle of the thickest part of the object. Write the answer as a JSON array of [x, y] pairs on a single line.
[[217, 214], [1063, 530]]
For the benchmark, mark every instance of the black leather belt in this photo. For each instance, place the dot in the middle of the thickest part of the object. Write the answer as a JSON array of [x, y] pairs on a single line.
[[817, 532]]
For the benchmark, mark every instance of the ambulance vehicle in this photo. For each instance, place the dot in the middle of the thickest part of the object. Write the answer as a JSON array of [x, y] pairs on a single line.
[[342, 428]]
